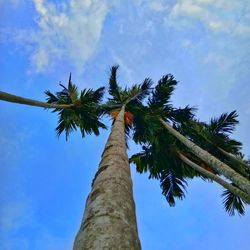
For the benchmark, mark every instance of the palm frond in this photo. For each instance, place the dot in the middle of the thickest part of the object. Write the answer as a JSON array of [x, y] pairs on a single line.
[[137, 93], [233, 203], [114, 89], [225, 123], [66, 122], [172, 186], [181, 115], [161, 95], [51, 98], [85, 112], [72, 90]]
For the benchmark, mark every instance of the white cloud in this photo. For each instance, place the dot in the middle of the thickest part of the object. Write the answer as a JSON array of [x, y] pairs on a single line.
[[66, 32], [218, 16], [157, 5], [154, 5]]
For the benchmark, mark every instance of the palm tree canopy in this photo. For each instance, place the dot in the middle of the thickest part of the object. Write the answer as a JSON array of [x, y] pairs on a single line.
[[160, 149], [159, 159], [129, 96], [85, 114]]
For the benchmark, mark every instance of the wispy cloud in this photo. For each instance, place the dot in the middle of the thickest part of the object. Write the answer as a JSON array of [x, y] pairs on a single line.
[[218, 16], [65, 33]]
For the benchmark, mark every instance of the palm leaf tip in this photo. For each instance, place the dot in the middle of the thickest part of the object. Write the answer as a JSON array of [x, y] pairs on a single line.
[[51, 98], [144, 89], [163, 91], [225, 123], [113, 85], [233, 203], [98, 94], [172, 187]]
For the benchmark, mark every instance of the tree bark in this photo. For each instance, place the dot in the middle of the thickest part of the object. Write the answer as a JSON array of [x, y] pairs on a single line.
[[21, 100], [109, 220], [216, 164], [216, 178]]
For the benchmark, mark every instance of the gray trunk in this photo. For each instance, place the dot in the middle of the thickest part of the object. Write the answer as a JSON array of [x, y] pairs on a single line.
[[216, 178], [213, 162], [21, 100], [109, 220], [235, 159]]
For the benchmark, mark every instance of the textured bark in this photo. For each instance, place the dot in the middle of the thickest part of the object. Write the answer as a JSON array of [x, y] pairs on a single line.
[[216, 164], [215, 178], [109, 220], [21, 100]]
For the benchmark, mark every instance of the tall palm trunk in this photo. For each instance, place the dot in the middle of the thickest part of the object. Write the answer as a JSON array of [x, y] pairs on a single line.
[[234, 158], [215, 178], [21, 100], [217, 165], [109, 220]]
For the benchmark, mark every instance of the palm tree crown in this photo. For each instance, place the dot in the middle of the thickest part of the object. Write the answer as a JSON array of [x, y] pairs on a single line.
[[162, 154], [85, 113]]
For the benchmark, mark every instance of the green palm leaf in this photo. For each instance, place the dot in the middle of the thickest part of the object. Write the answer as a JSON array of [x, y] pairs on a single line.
[[85, 113], [114, 89], [225, 123], [233, 203], [160, 97], [172, 186]]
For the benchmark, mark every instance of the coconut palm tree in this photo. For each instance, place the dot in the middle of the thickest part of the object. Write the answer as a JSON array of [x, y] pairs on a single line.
[[109, 219]]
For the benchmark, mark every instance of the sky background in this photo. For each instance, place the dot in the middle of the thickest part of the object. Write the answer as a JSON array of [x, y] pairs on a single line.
[[44, 181]]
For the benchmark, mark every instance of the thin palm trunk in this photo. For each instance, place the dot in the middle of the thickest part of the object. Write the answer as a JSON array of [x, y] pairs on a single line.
[[215, 178], [216, 164], [109, 220], [234, 158], [21, 100]]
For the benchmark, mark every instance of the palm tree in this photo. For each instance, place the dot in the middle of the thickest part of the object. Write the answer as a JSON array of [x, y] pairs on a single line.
[[109, 219], [160, 107], [74, 110], [160, 159]]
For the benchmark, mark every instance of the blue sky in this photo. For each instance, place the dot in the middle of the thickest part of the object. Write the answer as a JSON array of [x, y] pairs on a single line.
[[44, 182]]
